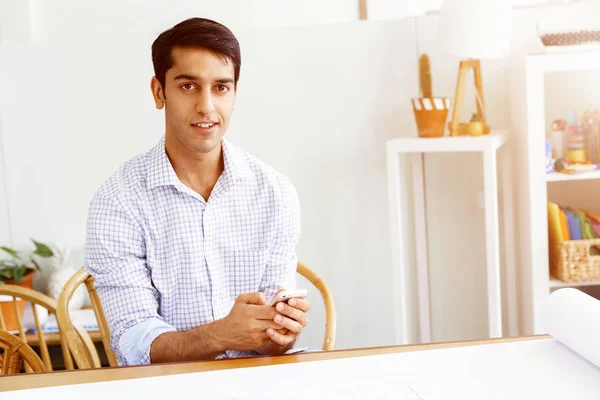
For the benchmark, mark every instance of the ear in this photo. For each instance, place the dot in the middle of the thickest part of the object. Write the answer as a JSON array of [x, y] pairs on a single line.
[[157, 93]]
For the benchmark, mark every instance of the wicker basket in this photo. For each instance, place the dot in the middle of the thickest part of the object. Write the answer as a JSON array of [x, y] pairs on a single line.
[[571, 261], [431, 114], [571, 38]]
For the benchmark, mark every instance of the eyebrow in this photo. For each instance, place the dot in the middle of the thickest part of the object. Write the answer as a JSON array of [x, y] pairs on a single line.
[[195, 78]]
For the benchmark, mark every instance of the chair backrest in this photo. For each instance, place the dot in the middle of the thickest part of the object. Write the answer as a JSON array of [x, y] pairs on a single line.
[[20, 295], [330, 316], [15, 350], [85, 355]]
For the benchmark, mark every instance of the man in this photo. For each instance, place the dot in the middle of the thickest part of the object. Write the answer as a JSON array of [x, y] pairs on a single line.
[[189, 241]]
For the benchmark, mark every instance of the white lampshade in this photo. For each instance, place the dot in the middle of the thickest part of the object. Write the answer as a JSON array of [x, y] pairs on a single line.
[[475, 28]]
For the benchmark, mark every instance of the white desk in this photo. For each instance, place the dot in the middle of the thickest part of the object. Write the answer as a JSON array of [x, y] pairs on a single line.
[[416, 147], [519, 369]]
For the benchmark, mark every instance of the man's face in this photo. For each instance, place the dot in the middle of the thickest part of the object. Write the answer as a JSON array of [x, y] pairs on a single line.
[[199, 96]]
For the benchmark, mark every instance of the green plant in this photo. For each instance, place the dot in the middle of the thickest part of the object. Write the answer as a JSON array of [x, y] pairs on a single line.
[[18, 265]]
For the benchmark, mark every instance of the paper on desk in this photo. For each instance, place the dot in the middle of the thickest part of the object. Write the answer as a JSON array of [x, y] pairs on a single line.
[[573, 318], [538, 369]]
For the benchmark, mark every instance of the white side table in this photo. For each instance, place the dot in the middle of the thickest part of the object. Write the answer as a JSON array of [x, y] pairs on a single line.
[[413, 315]]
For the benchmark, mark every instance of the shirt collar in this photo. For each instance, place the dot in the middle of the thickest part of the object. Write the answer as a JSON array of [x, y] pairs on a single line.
[[161, 172], [235, 164]]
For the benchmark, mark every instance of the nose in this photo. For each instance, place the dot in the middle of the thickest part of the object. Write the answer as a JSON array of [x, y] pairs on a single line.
[[204, 104]]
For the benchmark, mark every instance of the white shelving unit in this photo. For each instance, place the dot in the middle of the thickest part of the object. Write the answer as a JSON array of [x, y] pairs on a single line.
[[558, 177], [529, 130], [556, 284], [413, 301]]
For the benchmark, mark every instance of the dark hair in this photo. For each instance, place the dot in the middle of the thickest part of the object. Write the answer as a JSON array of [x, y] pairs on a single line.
[[195, 32]]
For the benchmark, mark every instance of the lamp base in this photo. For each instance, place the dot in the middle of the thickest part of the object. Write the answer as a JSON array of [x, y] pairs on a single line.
[[456, 128], [463, 129]]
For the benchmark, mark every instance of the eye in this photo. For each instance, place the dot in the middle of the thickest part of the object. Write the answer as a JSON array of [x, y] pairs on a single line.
[[187, 86], [222, 88]]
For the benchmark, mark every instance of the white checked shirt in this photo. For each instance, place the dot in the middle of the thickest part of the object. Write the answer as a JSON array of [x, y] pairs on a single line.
[[164, 259]]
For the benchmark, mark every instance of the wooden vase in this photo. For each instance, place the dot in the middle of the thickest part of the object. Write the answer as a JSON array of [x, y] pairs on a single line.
[[430, 115]]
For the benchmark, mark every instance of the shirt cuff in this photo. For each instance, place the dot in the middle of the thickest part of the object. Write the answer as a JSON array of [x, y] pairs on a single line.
[[136, 341]]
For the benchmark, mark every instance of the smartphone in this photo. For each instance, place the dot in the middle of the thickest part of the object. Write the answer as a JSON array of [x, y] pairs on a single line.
[[285, 295]]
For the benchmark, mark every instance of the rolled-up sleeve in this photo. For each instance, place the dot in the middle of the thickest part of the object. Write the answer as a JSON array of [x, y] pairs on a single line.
[[115, 255], [282, 263]]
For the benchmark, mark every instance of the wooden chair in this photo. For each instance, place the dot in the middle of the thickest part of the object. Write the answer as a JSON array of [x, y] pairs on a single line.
[[83, 350], [330, 316], [35, 298], [15, 350]]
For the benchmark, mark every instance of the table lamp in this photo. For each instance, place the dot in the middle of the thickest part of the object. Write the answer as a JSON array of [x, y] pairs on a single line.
[[473, 30]]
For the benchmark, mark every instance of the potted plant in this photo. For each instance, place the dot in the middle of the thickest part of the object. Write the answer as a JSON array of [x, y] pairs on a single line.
[[19, 270]]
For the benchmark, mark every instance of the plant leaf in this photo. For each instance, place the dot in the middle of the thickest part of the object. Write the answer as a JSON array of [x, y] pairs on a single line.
[[6, 275], [10, 251], [18, 274], [8, 264], [42, 250], [37, 266]]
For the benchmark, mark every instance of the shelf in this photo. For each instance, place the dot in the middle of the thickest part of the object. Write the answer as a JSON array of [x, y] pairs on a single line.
[[555, 283], [445, 144], [529, 109], [558, 177], [585, 59]]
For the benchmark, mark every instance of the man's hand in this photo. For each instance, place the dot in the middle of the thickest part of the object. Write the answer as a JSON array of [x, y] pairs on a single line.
[[291, 319], [245, 327]]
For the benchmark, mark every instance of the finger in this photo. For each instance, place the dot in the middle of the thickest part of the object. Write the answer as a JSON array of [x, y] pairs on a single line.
[[263, 325], [300, 304], [264, 312], [288, 323], [293, 313], [252, 298], [282, 340]]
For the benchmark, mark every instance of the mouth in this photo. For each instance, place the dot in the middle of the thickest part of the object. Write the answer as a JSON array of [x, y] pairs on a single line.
[[205, 127]]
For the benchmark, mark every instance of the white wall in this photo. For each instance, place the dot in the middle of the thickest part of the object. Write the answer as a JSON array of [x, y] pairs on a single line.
[[398, 9], [317, 102], [66, 19]]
